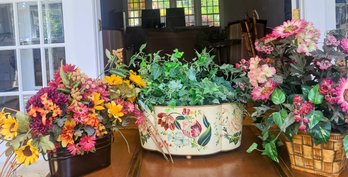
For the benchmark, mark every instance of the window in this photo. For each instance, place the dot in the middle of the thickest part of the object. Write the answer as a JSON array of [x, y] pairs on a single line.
[[162, 5], [210, 12], [341, 14], [189, 11], [31, 46], [134, 12]]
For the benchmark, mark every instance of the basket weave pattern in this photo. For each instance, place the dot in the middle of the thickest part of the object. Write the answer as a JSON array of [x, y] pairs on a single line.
[[322, 159]]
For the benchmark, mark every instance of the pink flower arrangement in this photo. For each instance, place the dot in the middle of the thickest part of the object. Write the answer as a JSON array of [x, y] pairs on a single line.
[[342, 94], [344, 44]]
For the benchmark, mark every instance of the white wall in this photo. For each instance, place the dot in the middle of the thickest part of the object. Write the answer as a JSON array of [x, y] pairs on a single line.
[[80, 26]]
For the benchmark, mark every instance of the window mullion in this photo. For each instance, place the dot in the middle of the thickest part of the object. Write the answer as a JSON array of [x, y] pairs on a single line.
[[198, 12], [42, 49]]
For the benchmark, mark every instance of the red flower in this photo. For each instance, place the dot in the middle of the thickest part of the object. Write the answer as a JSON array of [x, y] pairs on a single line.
[[186, 111], [166, 121], [306, 107], [326, 85], [297, 100]]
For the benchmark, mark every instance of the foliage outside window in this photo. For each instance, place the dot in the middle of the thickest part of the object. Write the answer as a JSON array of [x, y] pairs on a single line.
[[134, 12], [162, 5], [189, 11], [210, 12]]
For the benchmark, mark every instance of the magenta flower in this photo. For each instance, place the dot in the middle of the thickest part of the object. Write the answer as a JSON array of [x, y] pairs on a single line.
[[331, 40], [87, 143], [326, 85], [344, 44], [342, 94], [306, 107], [289, 28]]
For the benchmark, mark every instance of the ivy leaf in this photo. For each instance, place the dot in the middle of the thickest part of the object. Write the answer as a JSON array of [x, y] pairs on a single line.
[[305, 91], [271, 151], [321, 132], [289, 120], [156, 71], [252, 148], [45, 144], [23, 122], [345, 144], [314, 118], [278, 96], [315, 96], [192, 74], [142, 47]]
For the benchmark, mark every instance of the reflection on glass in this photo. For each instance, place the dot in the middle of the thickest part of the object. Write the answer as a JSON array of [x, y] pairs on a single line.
[[31, 69], [54, 56], [8, 71], [10, 102], [341, 14], [53, 22], [7, 35], [28, 23]]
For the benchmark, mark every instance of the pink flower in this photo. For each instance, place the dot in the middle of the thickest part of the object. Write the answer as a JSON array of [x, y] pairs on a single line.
[[191, 129], [331, 40], [254, 62], [74, 150], [264, 92], [344, 44], [326, 85], [297, 100], [306, 107], [87, 143], [267, 70], [80, 112], [241, 85], [289, 28], [303, 128], [342, 94], [260, 47], [269, 38], [323, 64], [297, 118]]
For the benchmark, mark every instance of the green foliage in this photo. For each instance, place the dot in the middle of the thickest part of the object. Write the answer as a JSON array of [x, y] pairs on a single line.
[[314, 95], [278, 96], [252, 148], [174, 82]]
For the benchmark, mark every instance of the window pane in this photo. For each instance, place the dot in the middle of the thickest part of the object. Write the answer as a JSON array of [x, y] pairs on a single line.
[[28, 23], [10, 102], [8, 71], [53, 22], [189, 10], [210, 12], [31, 69], [54, 56], [7, 34]]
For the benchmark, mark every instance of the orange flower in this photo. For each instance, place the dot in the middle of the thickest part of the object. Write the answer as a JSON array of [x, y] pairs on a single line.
[[66, 136], [136, 79], [92, 120]]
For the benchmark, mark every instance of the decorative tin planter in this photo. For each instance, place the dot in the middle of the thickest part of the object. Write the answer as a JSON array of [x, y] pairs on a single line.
[[63, 164], [194, 130], [323, 159]]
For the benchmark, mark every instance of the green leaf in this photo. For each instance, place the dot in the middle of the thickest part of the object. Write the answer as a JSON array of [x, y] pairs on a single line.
[[205, 121], [315, 96], [156, 71], [45, 144], [314, 118], [279, 117], [142, 47], [180, 118], [204, 139], [108, 54], [305, 91], [15, 143], [289, 120], [278, 96], [63, 75], [345, 144], [271, 151], [23, 122], [177, 124], [192, 74], [321, 132], [252, 148]]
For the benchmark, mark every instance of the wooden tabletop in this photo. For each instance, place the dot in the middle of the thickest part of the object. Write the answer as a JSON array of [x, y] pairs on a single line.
[[236, 163]]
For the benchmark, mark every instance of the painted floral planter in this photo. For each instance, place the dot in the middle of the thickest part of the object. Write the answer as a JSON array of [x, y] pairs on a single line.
[[194, 130]]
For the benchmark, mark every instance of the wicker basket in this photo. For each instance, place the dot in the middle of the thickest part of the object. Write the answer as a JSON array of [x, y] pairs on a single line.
[[323, 159]]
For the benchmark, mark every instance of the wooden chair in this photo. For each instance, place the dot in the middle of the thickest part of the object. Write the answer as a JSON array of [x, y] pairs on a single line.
[[252, 29]]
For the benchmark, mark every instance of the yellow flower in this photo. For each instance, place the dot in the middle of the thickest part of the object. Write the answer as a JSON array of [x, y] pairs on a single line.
[[115, 110], [2, 117], [9, 128], [136, 79], [113, 80], [97, 102], [27, 154]]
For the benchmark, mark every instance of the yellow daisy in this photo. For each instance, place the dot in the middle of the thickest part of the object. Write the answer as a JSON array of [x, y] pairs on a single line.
[[115, 110], [27, 154], [113, 80], [9, 128], [97, 102], [136, 79]]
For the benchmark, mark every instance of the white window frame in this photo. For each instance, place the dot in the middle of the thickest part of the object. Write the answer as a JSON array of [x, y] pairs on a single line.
[[21, 93]]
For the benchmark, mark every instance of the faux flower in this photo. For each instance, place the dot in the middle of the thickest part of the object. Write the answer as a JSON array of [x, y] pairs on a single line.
[[57, 81], [66, 136], [344, 44], [297, 100], [166, 121], [113, 80], [323, 64], [98, 104], [342, 94], [115, 110], [306, 107], [73, 149], [27, 154], [331, 40], [136, 79], [289, 28], [87, 143], [9, 128], [263, 92], [326, 86]]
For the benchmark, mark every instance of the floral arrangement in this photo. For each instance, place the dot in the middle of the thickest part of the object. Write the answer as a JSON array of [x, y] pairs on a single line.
[[72, 113], [173, 81], [298, 87]]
